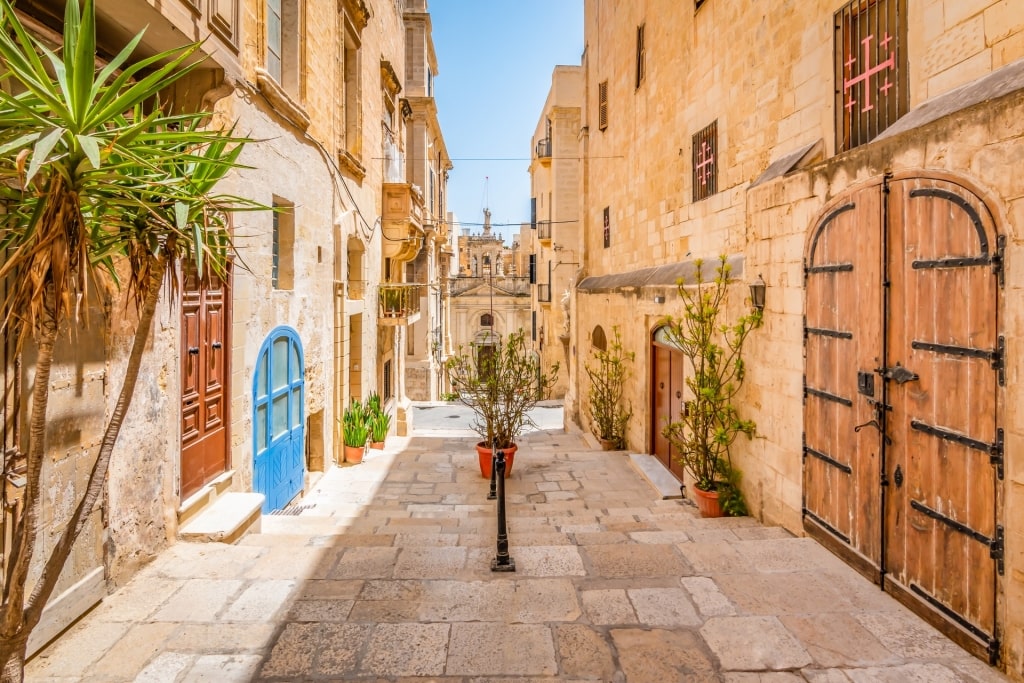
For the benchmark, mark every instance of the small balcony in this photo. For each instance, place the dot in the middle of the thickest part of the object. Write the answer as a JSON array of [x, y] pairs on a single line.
[[399, 303], [544, 232], [544, 150], [544, 293], [402, 222]]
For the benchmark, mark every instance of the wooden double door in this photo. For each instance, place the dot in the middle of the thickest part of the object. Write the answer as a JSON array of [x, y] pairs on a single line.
[[904, 363], [205, 322]]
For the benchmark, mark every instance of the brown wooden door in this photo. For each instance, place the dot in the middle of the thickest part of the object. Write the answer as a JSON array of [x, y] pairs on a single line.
[[205, 318], [843, 339], [902, 451], [666, 401], [941, 502]]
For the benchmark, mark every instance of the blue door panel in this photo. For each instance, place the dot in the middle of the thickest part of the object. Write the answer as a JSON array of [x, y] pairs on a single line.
[[278, 419]]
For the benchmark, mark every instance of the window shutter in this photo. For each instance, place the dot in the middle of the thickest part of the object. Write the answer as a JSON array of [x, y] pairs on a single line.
[[533, 269], [602, 105], [533, 213]]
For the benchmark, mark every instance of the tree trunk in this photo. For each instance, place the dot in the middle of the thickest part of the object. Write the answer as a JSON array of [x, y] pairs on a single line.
[[55, 563], [14, 629], [12, 659]]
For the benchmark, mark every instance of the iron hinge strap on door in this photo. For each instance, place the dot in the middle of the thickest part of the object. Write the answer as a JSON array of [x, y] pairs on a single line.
[[992, 644], [994, 356], [997, 259], [995, 544], [994, 450]]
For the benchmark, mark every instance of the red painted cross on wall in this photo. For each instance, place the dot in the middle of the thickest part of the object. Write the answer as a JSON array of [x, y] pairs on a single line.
[[850, 81], [705, 162]]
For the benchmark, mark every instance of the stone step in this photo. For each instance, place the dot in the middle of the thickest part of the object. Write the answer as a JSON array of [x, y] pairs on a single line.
[[652, 469], [231, 516]]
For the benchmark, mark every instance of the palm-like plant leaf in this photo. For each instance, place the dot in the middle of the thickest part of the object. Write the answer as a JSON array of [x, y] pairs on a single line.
[[92, 172]]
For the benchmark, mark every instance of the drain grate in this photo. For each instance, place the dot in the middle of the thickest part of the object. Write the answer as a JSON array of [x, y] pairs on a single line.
[[293, 511]]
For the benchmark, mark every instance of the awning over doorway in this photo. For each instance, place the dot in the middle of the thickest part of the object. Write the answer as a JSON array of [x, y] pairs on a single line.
[[667, 275]]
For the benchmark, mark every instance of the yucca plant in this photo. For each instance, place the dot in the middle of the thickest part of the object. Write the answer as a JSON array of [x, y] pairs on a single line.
[[93, 174], [380, 425], [354, 428]]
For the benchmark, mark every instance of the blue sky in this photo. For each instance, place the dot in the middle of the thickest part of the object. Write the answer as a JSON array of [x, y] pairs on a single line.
[[495, 59]]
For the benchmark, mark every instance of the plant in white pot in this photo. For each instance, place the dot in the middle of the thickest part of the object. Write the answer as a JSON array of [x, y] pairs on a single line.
[[501, 383]]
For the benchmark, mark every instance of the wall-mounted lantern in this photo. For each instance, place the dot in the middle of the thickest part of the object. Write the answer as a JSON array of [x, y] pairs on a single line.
[[757, 291]]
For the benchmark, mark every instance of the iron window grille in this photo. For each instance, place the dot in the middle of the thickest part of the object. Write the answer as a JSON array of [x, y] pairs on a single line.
[[641, 55], [705, 162], [607, 227], [870, 69]]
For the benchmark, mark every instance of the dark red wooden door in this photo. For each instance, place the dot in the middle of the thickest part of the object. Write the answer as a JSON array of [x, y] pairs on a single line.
[[666, 400], [205, 322], [902, 450]]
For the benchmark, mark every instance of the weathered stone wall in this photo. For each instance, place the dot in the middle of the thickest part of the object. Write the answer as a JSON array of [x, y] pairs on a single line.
[[767, 77]]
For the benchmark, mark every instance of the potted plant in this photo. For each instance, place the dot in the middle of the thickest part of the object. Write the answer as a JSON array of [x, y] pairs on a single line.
[[501, 383], [354, 431], [609, 416], [710, 422], [380, 425]]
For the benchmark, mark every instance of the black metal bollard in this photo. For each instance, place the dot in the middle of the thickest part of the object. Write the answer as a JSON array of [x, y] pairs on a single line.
[[492, 494], [502, 562]]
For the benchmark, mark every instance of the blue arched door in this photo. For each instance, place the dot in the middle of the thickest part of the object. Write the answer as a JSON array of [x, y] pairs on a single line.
[[278, 419]]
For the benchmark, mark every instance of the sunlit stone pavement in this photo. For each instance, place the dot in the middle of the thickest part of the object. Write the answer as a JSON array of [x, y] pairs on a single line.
[[384, 575]]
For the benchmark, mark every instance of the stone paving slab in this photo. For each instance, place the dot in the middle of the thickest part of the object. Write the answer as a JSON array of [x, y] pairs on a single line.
[[384, 576]]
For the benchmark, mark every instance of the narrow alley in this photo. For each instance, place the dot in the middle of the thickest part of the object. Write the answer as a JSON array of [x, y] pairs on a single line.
[[382, 573]]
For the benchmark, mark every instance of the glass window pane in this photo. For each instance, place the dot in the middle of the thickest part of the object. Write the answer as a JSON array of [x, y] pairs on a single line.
[[280, 412], [261, 428], [297, 407], [261, 376], [294, 371], [279, 368]]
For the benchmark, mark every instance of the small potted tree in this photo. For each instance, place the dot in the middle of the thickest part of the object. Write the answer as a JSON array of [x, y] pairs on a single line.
[[608, 414], [354, 431], [710, 423], [501, 383]]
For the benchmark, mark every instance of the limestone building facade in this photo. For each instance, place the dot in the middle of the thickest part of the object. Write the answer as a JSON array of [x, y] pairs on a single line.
[[245, 380], [555, 179], [863, 158], [487, 301]]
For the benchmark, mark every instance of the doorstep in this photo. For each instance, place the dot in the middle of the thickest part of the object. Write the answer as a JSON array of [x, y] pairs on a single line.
[[657, 475], [231, 516]]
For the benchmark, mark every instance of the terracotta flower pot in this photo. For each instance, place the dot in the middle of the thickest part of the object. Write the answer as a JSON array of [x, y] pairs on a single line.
[[379, 445], [485, 455], [608, 444], [354, 454], [707, 502]]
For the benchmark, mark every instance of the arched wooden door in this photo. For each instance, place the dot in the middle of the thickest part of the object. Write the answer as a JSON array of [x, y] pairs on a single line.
[[666, 397], [902, 452], [279, 419]]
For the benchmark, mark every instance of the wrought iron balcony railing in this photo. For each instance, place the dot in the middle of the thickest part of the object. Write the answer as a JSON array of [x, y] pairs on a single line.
[[397, 302], [544, 231], [544, 293], [544, 148]]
